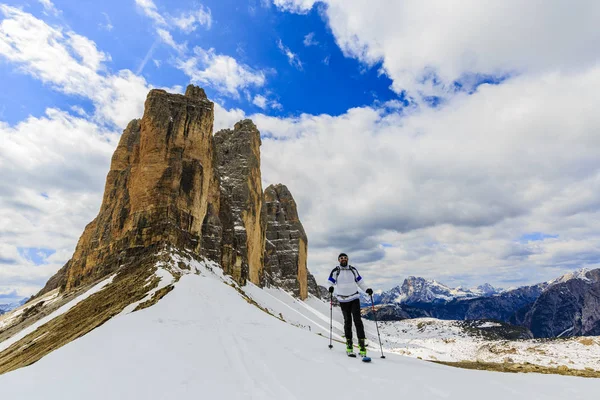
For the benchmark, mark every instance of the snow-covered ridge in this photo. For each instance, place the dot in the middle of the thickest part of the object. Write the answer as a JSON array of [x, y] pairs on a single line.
[[415, 290], [579, 274], [420, 290], [207, 338]]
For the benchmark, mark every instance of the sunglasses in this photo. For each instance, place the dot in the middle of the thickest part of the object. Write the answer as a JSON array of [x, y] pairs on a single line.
[[343, 258]]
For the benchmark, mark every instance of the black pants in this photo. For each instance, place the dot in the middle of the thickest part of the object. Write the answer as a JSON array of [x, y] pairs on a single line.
[[351, 309]]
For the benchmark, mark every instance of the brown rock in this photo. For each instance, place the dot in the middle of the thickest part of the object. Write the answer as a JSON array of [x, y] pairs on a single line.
[[160, 187], [286, 243], [238, 163], [173, 184]]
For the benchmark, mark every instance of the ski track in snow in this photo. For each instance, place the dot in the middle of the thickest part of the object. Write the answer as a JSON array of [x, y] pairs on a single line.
[[204, 340]]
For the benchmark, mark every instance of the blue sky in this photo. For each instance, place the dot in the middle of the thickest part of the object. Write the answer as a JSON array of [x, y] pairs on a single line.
[[324, 82], [460, 145]]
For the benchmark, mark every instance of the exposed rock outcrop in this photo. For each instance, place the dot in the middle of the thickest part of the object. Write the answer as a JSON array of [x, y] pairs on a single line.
[[159, 189], [238, 163], [174, 191], [569, 308], [286, 244], [171, 182]]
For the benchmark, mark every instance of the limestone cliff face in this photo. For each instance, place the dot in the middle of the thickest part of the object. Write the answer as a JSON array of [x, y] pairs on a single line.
[[172, 183], [161, 185], [174, 191], [286, 244], [238, 164]]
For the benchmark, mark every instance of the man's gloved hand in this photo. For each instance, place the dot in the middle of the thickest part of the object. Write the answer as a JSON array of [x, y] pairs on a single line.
[[369, 291], [330, 289]]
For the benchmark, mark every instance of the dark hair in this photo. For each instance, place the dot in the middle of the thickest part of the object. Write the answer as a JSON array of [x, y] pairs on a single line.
[[342, 254]]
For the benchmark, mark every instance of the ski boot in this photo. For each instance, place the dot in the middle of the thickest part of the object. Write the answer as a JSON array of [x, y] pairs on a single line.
[[350, 348], [362, 348]]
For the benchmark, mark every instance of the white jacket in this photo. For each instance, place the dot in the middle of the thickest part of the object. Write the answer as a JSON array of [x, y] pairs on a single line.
[[346, 281]]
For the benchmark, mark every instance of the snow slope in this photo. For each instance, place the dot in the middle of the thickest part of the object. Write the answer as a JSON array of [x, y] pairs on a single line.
[[442, 340], [205, 340], [95, 289]]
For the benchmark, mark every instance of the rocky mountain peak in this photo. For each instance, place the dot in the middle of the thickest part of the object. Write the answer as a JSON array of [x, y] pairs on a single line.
[[195, 92], [174, 192], [158, 190], [238, 165], [173, 183], [286, 244]]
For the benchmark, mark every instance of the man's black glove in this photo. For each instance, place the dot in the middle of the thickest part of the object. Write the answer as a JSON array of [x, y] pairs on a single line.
[[369, 291], [330, 289]]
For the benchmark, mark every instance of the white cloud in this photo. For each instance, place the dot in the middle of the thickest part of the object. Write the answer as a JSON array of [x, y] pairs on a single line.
[[450, 189], [149, 8], [221, 72], [60, 63], [293, 58], [108, 25], [226, 119], [309, 40], [298, 6], [189, 21], [260, 101], [53, 169], [121, 98], [264, 103], [462, 37], [49, 8], [72, 64], [168, 39]]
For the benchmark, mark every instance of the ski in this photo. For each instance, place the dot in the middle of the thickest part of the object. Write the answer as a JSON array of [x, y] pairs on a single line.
[[352, 355]]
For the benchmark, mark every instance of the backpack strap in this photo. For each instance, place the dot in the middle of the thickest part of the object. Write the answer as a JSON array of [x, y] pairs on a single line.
[[357, 276], [333, 276]]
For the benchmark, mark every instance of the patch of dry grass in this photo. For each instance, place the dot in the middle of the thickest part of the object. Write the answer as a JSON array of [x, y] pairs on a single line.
[[587, 341], [525, 368]]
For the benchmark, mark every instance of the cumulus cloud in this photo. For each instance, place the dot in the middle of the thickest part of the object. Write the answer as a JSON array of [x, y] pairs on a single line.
[[260, 101], [226, 119], [449, 191], [425, 51], [220, 71], [54, 167], [264, 103], [53, 170], [446, 193], [72, 64]]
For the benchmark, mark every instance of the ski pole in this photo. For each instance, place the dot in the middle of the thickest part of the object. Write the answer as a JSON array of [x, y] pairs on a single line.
[[330, 318], [375, 317]]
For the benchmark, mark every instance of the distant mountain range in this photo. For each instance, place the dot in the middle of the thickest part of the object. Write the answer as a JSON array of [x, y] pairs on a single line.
[[4, 308], [416, 290], [566, 306]]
